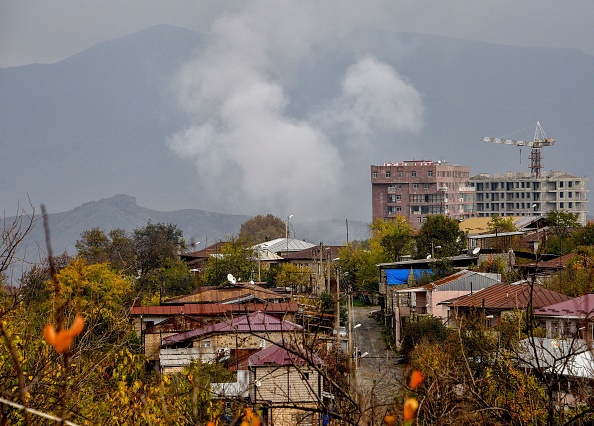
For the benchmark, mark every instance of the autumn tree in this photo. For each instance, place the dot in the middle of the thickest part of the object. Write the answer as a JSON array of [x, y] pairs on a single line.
[[291, 275], [359, 260], [395, 236], [262, 228]]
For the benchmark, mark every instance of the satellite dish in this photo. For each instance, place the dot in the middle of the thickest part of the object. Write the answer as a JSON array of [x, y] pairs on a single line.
[[428, 256], [476, 250], [231, 278], [252, 282], [258, 383]]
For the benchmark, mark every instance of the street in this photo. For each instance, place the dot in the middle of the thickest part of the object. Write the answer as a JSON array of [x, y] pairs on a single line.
[[379, 376]]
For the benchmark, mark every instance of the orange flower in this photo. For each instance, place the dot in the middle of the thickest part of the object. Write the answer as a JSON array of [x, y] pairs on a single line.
[[410, 408], [250, 418], [415, 379], [390, 420], [62, 340]]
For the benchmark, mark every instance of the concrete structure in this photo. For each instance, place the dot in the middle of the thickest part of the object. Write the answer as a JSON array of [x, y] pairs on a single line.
[[415, 189], [521, 194]]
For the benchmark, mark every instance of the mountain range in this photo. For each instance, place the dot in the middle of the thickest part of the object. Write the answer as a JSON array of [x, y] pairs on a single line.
[[198, 226], [97, 124]]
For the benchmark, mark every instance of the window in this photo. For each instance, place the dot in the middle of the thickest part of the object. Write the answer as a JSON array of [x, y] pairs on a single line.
[[416, 186], [205, 344], [413, 174], [398, 197], [305, 419], [305, 375], [374, 175], [561, 205], [398, 209], [560, 195], [400, 174], [426, 186], [430, 173], [388, 174]]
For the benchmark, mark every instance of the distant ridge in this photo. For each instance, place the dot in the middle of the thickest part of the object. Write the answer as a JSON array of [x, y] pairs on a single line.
[[121, 211]]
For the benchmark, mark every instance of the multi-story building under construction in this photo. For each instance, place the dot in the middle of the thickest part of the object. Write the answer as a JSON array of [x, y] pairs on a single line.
[[524, 194]]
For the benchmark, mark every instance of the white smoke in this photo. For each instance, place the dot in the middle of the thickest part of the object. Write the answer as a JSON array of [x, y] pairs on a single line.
[[251, 155]]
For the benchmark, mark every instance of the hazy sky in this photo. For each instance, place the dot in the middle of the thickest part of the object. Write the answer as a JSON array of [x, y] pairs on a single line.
[[33, 31], [238, 87]]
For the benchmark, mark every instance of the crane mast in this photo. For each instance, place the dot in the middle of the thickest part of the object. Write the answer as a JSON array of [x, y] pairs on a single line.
[[540, 140]]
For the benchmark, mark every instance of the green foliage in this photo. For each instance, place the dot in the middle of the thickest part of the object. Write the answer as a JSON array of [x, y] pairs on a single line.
[[326, 301], [116, 247], [440, 231], [577, 278], [262, 228], [233, 259], [584, 236], [359, 265], [420, 328], [155, 244], [501, 224], [291, 275]]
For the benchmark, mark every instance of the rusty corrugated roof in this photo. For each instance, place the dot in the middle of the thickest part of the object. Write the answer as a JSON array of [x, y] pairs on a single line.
[[228, 293], [255, 322], [214, 309], [277, 354], [509, 296]]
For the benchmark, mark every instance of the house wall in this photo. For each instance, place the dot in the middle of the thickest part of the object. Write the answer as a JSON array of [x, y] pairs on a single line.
[[285, 384], [292, 416], [152, 344], [436, 297]]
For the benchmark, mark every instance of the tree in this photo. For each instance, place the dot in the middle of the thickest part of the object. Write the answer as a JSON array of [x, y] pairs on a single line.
[[262, 228], [563, 225], [155, 244], [233, 259], [440, 231], [584, 236], [291, 275], [359, 260], [395, 236], [501, 224], [116, 247]]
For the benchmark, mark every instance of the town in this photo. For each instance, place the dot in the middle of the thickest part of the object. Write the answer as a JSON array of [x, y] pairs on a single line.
[[480, 285]]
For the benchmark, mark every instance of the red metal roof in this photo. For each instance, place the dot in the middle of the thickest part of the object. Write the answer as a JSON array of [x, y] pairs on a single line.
[[509, 296], [278, 355], [214, 309], [580, 307], [256, 322]]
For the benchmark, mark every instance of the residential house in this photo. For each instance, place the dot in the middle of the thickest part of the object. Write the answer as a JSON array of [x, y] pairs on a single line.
[[426, 299], [568, 319], [232, 293], [232, 338], [494, 301], [569, 363], [287, 383]]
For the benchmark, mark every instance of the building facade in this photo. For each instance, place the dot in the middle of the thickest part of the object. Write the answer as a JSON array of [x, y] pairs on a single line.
[[520, 194], [416, 189]]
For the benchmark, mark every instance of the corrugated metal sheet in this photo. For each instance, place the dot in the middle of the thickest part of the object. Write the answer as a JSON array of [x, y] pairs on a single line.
[[579, 307], [464, 280], [213, 309], [278, 355], [229, 293], [508, 296], [257, 322]]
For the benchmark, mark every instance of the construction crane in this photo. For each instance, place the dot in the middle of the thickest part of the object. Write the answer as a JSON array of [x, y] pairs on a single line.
[[540, 140]]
